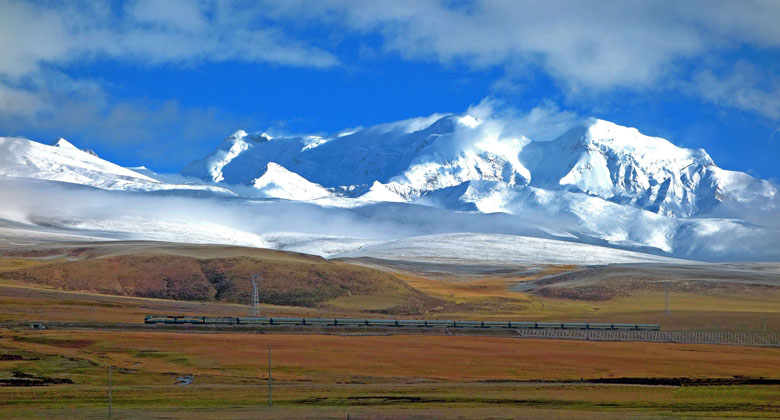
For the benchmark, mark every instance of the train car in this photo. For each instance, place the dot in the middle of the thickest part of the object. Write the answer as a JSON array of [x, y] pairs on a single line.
[[495, 324], [159, 319], [411, 323], [467, 324], [648, 327], [349, 322], [381, 323], [439, 323], [624, 326], [286, 321], [549, 325], [317, 322], [598, 326], [574, 326], [253, 320], [220, 320], [189, 319], [524, 325]]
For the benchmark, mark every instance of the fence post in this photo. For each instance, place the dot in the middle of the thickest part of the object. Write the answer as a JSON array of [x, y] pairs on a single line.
[[270, 399]]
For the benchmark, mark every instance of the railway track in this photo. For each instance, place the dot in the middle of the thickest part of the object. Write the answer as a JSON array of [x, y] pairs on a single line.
[[737, 338]]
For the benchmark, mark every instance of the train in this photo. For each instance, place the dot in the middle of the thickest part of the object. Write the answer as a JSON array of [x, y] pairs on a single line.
[[355, 322]]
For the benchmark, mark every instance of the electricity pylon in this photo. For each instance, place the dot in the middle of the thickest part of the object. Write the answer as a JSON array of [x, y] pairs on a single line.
[[255, 295], [667, 287]]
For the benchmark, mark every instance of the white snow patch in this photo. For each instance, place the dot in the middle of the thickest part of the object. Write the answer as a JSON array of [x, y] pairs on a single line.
[[278, 182], [503, 250]]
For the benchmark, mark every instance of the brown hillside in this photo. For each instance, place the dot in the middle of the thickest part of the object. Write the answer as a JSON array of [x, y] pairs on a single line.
[[184, 272]]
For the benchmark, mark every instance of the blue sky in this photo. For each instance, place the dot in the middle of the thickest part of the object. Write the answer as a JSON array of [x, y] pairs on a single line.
[[162, 82]]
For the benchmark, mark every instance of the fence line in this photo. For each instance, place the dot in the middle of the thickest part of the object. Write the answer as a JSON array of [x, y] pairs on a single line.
[[764, 339], [769, 339]]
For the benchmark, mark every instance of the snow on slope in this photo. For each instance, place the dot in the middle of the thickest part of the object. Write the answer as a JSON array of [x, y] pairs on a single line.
[[501, 250], [13, 234], [415, 157], [385, 192], [278, 182], [563, 214], [22, 158], [621, 164], [599, 184], [421, 154], [308, 227], [62, 161]]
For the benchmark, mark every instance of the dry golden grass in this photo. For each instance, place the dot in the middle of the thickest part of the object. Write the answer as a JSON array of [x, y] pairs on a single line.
[[399, 376], [203, 273], [462, 290], [327, 376], [235, 358], [338, 288], [394, 401], [22, 302], [17, 263]]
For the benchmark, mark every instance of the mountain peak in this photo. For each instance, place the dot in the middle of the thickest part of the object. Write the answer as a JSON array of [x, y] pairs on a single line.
[[64, 144], [469, 121], [238, 135], [598, 134], [279, 182]]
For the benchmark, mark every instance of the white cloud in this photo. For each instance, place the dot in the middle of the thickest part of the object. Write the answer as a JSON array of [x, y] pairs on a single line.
[[51, 104], [592, 46], [29, 35], [147, 32], [587, 46], [181, 14], [745, 87], [37, 39], [543, 122], [15, 101]]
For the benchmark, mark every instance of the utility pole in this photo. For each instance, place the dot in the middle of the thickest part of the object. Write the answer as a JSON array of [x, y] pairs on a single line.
[[255, 295], [270, 399], [109, 391]]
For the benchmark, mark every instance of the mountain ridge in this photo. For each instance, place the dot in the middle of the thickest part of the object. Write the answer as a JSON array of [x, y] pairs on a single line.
[[598, 184], [596, 158]]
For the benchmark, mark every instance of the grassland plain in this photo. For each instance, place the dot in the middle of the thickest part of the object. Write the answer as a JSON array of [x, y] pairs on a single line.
[[329, 376], [393, 376]]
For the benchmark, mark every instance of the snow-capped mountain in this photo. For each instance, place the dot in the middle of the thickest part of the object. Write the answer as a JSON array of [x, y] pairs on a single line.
[[64, 162], [597, 184], [414, 158], [624, 166], [411, 157]]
